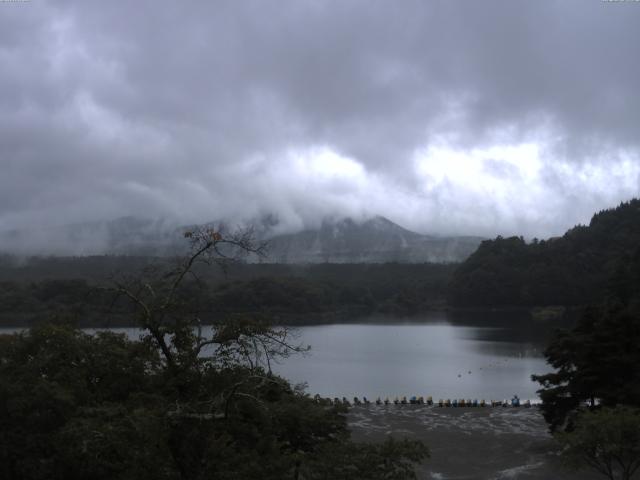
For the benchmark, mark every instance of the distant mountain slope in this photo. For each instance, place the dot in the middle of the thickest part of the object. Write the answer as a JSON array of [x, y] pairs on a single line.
[[372, 241], [574, 269], [375, 240], [122, 236]]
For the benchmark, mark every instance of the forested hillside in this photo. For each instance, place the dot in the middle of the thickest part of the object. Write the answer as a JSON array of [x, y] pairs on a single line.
[[72, 287], [575, 269]]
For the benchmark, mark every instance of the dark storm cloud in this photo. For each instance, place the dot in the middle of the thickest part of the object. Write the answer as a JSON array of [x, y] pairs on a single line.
[[451, 117]]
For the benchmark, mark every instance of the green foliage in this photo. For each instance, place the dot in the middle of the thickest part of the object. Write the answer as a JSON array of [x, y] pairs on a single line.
[[571, 270], [391, 460], [597, 361], [180, 403], [606, 440], [56, 380], [100, 406], [286, 293]]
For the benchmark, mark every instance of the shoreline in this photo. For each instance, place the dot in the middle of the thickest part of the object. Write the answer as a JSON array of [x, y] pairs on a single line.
[[338, 317], [469, 443]]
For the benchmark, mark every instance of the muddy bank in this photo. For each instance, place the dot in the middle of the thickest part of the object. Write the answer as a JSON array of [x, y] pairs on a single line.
[[470, 443]]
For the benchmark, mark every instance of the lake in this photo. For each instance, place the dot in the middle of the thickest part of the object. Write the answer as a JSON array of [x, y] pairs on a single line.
[[431, 357], [489, 355]]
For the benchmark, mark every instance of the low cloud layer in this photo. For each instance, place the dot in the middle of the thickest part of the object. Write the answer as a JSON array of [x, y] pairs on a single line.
[[447, 117]]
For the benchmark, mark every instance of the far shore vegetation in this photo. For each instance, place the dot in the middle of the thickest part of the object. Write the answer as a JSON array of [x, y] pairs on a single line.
[[74, 405]]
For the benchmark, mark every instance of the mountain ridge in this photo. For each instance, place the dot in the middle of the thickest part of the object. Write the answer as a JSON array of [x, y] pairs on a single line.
[[344, 240], [574, 269]]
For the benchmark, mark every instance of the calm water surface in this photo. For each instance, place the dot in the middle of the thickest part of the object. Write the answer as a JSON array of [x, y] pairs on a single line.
[[433, 358], [438, 355]]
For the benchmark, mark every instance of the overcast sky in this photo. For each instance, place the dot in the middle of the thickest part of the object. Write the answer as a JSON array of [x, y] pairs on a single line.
[[452, 117]]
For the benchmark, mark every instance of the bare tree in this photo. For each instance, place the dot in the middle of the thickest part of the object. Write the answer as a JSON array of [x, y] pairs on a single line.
[[163, 312]]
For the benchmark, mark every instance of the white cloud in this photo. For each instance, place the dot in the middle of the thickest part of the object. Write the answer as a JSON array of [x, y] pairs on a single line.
[[447, 117]]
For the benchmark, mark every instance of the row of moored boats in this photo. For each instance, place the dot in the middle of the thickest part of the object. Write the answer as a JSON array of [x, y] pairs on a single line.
[[449, 403]]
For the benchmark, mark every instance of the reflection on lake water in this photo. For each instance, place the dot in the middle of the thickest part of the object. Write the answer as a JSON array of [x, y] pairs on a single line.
[[489, 355], [433, 357]]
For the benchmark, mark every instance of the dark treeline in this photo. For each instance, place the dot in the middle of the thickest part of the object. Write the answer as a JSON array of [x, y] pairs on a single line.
[[180, 402], [572, 270], [71, 287], [598, 358], [591, 398], [575, 269]]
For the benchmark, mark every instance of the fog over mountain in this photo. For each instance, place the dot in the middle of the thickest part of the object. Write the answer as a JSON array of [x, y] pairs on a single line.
[[447, 117], [343, 240], [372, 241]]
